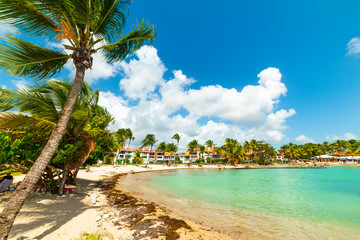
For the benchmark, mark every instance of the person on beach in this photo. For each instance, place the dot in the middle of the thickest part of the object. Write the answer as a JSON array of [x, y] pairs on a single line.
[[5, 182]]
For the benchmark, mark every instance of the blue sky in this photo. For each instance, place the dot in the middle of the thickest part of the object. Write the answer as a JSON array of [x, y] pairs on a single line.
[[219, 46]]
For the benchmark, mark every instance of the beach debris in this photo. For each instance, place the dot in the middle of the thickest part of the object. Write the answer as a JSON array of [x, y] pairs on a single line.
[[93, 197], [98, 218], [140, 217]]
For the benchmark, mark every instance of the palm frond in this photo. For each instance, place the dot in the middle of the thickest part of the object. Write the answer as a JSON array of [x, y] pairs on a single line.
[[28, 16], [23, 58], [15, 122], [130, 43], [107, 17], [5, 100]]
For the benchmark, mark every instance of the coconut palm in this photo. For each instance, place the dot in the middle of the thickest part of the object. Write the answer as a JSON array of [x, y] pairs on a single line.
[[161, 148], [209, 143], [192, 146], [86, 28], [171, 148], [43, 106], [177, 138], [129, 136], [149, 140], [137, 157], [120, 137]]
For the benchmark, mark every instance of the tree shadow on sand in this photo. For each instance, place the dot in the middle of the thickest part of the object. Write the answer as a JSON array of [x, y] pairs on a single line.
[[51, 210]]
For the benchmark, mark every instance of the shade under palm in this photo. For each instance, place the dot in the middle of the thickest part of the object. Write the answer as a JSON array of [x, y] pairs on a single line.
[[82, 24]]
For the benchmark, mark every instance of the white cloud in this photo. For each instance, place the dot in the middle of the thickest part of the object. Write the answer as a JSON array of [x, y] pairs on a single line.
[[346, 136], [20, 84], [3, 86], [243, 115], [144, 75], [353, 46], [6, 28], [304, 139]]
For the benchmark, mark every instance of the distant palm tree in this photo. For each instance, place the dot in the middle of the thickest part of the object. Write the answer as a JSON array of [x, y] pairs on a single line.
[[162, 148], [129, 136], [177, 138], [171, 148], [192, 146], [202, 151], [209, 143], [120, 137], [137, 157], [83, 24], [149, 140]]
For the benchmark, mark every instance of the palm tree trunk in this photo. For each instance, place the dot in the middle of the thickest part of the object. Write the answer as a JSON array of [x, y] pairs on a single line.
[[63, 180], [17, 200]]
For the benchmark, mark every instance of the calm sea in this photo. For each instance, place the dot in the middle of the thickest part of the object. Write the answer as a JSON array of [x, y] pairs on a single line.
[[265, 203]]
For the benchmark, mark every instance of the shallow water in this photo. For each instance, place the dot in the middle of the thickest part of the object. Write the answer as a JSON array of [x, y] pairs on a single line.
[[262, 203]]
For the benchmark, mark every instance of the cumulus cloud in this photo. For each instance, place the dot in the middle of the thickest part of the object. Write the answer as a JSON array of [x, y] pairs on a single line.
[[304, 139], [143, 75], [353, 46], [243, 115], [346, 136]]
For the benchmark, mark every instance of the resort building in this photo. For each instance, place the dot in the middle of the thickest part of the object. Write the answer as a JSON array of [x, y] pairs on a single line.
[[340, 156], [148, 155]]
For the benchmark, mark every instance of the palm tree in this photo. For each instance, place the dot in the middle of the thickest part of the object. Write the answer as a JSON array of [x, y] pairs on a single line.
[[192, 146], [229, 147], [202, 151], [177, 138], [149, 140], [120, 137], [43, 104], [209, 143], [171, 148], [129, 136], [161, 148], [84, 25], [137, 157]]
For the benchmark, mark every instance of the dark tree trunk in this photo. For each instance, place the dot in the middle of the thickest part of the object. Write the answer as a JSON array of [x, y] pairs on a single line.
[[17, 200], [63, 180]]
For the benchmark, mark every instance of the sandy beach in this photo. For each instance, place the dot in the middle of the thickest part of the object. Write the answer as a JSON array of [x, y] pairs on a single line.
[[100, 205], [46, 216]]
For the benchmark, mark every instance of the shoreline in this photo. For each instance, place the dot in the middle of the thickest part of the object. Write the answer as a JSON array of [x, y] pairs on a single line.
[[46, 216]]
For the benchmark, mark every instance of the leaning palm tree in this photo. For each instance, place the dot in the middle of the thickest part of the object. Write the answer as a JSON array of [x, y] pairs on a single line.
[[129, 136], [82, 25], [43, 105], [177, 138]]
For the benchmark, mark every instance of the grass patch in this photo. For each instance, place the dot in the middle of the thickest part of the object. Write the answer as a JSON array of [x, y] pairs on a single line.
[[95, 236], [3, 173], [103, 175]]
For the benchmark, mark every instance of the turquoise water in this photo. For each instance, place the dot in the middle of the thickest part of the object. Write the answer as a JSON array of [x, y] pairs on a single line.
[[313, 196]]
